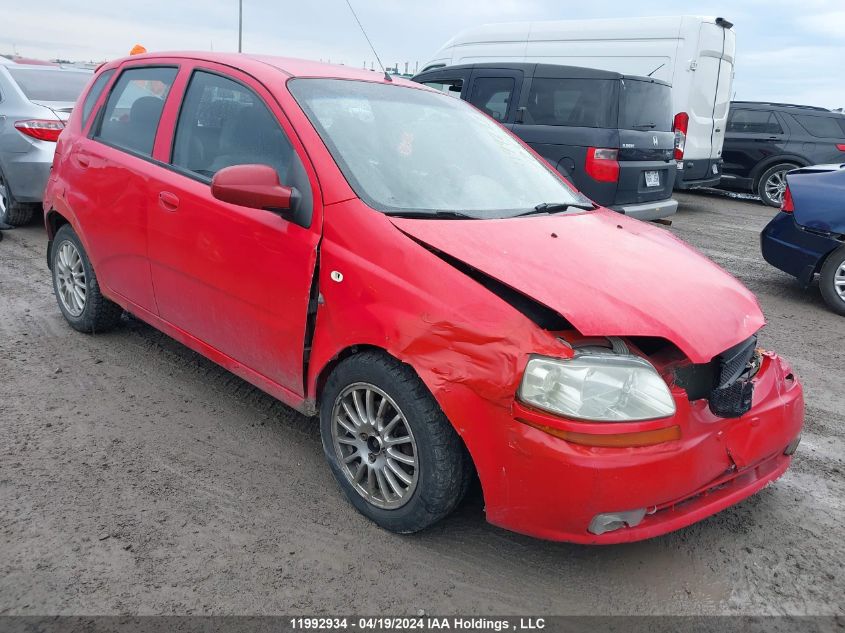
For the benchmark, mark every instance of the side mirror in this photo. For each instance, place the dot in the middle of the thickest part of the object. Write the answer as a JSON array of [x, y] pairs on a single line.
[[256, 187]]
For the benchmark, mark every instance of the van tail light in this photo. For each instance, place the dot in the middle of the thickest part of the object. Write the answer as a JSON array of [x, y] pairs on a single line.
[[602, 164], [840, 147], [787, 206], [41, 129], [680, 125]]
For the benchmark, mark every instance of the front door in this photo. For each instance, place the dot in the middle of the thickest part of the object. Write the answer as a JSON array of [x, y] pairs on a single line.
[[237, 279]]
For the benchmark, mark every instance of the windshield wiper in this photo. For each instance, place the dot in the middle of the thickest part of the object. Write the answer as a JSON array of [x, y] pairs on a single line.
[[433, 215], [557, 207]]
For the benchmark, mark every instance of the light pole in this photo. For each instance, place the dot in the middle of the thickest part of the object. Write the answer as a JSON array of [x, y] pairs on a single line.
[[240, 24]]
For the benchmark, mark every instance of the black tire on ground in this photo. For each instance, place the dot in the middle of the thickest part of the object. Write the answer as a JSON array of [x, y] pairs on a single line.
[[98, 313], [443, 463], [12, 212], [833, 271], [765, 189]]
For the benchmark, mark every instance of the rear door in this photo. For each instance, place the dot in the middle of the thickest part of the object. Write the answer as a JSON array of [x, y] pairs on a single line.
[[112, 169], [752, 136], [496, 92], [646, 142], [238, 279], [706, 77]]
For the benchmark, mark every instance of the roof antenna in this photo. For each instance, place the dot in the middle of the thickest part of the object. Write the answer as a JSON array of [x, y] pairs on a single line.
[[373, 48]]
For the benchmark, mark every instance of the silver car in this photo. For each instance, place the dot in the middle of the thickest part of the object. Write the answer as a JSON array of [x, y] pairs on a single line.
[[35, 101]]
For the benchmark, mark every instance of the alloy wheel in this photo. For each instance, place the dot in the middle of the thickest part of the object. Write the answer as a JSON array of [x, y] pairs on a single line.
[[375, 446], [776, 186], [839, 281], [70, 278]]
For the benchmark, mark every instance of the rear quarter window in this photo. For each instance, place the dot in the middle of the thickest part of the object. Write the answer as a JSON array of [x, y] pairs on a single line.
[[753, 122], [94, 94], [572, 103], [829, 126]]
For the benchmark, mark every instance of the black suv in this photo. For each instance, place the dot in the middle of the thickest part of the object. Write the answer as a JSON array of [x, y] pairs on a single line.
[[763, 141], [609, 134]]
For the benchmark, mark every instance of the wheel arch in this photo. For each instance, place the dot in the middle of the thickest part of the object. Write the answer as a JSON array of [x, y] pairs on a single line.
[[53, 221], [765, 164], [325, 371]]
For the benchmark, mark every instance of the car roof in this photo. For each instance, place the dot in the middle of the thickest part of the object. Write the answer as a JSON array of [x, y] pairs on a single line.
[[769, 105], [548, 71], [292, 67]]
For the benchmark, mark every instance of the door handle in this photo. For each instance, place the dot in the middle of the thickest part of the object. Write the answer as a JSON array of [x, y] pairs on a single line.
[[168, 201], [83, 161]]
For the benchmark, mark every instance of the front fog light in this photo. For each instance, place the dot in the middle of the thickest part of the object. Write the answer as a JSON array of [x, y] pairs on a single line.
[[597, 386], [610, 521]]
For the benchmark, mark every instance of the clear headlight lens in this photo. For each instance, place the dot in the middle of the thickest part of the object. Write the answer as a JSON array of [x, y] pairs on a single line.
[[597, 386]]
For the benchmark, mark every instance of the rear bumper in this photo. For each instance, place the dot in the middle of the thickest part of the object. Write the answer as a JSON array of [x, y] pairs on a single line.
[[794, 250], [694, 173], [27, 173], [649, 210]]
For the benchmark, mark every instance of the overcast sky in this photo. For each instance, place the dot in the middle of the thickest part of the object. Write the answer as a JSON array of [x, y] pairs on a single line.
[[787, 50]]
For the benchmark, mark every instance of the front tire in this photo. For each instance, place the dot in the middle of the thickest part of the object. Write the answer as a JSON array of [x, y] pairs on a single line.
[[772, 184], [12, 212], [832, 280], [76, 287], [389, 445]]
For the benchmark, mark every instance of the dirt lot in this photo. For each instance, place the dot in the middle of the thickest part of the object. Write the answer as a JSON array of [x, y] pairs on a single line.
[[137, 477]]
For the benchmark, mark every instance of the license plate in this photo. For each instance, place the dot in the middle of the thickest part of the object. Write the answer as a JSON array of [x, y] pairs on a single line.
[[652, 179]]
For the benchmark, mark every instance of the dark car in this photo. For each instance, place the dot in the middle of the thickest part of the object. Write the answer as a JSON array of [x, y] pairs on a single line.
[[609, 134], [764, 141], [808, 236]]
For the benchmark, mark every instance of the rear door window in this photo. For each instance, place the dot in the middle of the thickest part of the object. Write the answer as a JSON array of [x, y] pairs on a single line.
[[822, 126], [753, 122], [133, 110], [644, 105], [492, 95], [94, 94], [572, 103]]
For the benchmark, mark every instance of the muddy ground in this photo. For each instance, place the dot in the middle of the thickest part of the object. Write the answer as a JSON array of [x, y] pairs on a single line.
[[137, 477]]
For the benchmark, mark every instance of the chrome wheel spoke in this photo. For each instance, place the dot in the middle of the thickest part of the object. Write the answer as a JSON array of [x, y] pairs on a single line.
[[375, 446], [71, 283]]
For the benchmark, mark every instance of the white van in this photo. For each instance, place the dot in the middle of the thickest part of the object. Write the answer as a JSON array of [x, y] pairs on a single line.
[[694, 54]]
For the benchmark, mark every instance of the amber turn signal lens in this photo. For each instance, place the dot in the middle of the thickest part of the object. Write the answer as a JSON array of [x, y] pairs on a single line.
[[614, 440]]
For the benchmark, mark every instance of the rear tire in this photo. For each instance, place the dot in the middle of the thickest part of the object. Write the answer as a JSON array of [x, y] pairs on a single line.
[[435, 468], [12, 212], [772, 184], [76, 287], [832, 280]]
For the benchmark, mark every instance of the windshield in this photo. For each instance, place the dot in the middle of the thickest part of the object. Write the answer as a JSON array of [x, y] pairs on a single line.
[[405, 149], [50, 85], [645, 106]]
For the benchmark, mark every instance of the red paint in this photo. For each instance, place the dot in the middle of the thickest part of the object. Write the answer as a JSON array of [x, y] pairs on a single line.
[[233, 283], [253, 186]]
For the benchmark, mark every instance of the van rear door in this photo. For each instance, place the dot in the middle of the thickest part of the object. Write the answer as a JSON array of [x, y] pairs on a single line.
[[646, 142]]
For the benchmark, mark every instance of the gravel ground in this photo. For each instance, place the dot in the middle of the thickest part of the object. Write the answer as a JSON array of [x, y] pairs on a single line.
[[137, 477]]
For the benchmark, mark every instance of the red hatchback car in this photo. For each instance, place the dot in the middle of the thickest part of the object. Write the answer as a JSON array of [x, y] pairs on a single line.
[[388, 258]]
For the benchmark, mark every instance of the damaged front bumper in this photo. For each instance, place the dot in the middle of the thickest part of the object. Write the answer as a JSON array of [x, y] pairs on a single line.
[[547, 487]]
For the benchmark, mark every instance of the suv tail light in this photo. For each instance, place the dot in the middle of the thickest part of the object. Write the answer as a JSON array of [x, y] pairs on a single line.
[[840, 147], [41, 129], [680, 125], [787, 206], [602, 165]]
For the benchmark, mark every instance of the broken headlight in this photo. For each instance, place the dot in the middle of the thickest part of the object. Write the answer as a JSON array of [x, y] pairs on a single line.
[[598, 386]]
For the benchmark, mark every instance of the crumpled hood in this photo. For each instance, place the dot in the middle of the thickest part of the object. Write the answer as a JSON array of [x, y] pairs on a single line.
[[606, 274]]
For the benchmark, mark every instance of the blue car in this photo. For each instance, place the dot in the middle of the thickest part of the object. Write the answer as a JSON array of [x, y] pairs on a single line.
[[808, 236]]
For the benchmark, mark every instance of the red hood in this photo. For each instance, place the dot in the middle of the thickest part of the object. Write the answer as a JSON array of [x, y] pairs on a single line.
[[606, 274]]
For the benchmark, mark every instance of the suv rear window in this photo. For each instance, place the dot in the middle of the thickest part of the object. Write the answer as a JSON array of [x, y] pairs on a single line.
[[829, 126], [49, 85], [644, 105], [572, 103]]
